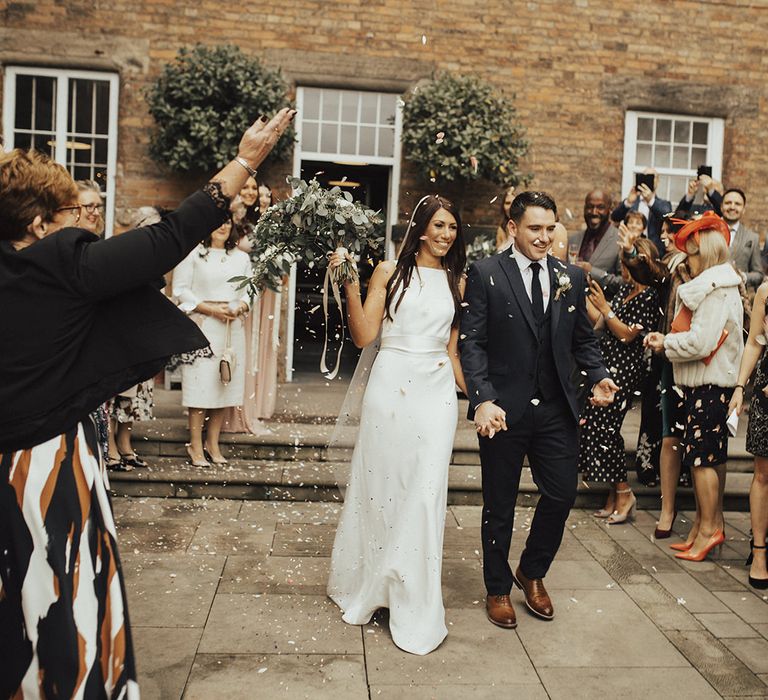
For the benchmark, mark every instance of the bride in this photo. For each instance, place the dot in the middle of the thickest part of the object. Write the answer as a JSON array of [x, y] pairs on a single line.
[[389, 544]]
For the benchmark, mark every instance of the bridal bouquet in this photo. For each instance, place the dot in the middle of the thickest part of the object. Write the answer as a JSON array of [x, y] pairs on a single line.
[[309, 226]]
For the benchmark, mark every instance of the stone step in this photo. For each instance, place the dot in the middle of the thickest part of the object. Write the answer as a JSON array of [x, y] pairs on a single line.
[[302, 441], [321, 480]]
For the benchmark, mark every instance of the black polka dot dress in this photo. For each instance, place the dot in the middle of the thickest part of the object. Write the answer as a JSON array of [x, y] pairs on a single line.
[[601, 447]]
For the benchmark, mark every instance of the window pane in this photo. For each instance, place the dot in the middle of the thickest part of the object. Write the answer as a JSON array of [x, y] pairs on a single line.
[[675, 187], [311, 103], [644, 129], [24, 86], [81, 172], [680, 157], [328, 138], [643, 155], [386, 142], [700, 133], [349, 139], [100, 152], [367, 141], [661, 156], [682, 132], [698, 157], [663, 130], [80, 109], [309, 132], [102, 107], [387, 109], [331, 104], [349, 102], [369, 107]]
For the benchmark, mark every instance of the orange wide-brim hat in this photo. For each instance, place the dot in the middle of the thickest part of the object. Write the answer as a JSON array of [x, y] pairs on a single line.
[[708, 221]]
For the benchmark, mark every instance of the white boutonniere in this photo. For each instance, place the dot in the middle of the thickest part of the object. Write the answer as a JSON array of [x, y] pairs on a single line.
[[563, 283]]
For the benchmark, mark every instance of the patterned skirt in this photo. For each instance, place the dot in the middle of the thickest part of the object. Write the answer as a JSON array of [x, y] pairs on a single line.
[[64, 630]]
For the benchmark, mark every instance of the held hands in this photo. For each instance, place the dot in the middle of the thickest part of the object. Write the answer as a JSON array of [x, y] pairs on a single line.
[[490, 419], [603, 392], [654, 341], [222, 311]]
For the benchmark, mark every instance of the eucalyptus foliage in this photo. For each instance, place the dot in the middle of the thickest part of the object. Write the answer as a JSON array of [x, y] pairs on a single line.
[[308, 226], [204, 100], [457, 128]]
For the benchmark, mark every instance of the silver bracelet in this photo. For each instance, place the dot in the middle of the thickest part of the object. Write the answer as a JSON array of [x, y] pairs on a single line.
[[247, 166]]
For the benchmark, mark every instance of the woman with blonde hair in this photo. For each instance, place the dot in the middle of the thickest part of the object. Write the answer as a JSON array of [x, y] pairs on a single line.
[[704, 346], [91, 199]]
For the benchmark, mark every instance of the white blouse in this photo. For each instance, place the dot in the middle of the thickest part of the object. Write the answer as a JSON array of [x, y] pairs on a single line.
[[203, 276]]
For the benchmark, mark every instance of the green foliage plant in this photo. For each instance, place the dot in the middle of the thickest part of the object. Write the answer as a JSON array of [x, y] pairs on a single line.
[[203, 101], [458, 128]]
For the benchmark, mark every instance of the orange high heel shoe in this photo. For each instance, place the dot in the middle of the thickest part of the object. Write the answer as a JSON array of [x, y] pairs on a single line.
[[681, 546], [716, 540]]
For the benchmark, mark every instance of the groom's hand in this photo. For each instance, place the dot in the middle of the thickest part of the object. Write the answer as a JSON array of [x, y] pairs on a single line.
[[489, 419], [603, 392]]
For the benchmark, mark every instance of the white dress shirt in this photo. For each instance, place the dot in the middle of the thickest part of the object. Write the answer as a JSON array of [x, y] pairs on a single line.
[[525, 270], [734, 230]]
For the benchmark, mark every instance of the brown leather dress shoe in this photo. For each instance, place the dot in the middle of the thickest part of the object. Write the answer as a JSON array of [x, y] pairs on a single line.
[[500, 611], [536, 597]]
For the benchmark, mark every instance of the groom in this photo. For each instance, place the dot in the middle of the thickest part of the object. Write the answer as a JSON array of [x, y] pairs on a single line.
[[523, 326]]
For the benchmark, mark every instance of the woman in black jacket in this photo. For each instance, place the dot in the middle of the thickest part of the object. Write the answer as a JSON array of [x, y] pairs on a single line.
[[70, 303]]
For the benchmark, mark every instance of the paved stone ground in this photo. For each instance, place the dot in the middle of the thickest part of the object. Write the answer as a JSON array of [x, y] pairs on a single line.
[[227, 600]]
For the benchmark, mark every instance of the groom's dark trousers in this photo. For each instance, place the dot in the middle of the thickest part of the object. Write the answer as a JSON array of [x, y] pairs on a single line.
[[525, 363]]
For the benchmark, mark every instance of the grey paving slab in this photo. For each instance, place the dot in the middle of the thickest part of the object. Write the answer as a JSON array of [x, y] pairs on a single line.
[[691, 593], [468, 656], [164, 657], [762, 628], [154, 535], [510, 689], [467, 516], [564, 643], [724, 672], [461, 543], [626, 683], [232, 537], [573, 574], [170, 589], [303, 540], [253, 574], [290, 676], [463, 585], [264, 512], [747, 606], [715, 577], [272, 623], [178, 509], [665, 611], [752, 652], [725, 625]]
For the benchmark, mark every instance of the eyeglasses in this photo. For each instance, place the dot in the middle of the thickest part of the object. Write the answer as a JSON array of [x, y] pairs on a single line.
[[93, 208], [74, 209]]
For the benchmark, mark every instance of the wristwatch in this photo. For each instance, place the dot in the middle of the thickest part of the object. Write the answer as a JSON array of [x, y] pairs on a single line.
[[610, 314]]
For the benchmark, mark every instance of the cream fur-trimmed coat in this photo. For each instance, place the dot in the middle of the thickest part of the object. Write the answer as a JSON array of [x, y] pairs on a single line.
[[713, 297]]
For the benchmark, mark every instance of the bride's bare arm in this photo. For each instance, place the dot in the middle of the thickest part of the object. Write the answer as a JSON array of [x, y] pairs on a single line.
[[365, 319], [453, 350]]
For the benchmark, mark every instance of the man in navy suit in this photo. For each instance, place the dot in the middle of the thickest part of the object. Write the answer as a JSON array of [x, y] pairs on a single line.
[[654, 208], [524, 325]]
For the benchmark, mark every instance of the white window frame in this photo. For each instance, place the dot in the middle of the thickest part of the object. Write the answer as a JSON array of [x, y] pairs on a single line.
[[714, 147], [394, 193], [63, 76]]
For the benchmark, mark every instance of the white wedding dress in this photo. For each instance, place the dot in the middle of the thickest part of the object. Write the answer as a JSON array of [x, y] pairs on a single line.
[[389, 544]]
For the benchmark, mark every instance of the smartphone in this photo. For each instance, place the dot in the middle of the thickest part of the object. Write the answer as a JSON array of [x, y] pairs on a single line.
[[644, 179], [704, 170]]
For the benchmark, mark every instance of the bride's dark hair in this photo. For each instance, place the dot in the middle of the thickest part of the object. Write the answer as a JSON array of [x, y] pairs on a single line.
[[453, 262]]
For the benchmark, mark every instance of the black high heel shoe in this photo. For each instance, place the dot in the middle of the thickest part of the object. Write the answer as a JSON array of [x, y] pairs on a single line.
[[750, 557], [659, 534], [760, 584]]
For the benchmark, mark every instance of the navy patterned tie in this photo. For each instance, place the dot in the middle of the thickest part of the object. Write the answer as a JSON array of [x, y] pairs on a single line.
[[537, 298]]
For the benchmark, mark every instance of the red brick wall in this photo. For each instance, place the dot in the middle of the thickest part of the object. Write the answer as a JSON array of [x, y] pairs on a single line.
[[575, 66]]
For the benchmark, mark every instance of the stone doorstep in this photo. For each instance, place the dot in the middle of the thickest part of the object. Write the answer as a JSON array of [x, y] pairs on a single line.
[[319, 481]]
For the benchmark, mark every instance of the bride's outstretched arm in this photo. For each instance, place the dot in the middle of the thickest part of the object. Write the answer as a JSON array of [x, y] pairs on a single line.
[[453, 349], [365, 319]]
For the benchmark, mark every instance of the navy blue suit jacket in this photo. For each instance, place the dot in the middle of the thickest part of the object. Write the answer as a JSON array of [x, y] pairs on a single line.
[[498, 340]]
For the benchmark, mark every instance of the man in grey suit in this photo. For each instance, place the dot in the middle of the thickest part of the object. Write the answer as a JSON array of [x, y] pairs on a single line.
[[745, 244], [597, 244]]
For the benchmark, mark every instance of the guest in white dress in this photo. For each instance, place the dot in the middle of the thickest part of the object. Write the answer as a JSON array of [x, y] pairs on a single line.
[[200, 282], [388, 547]]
